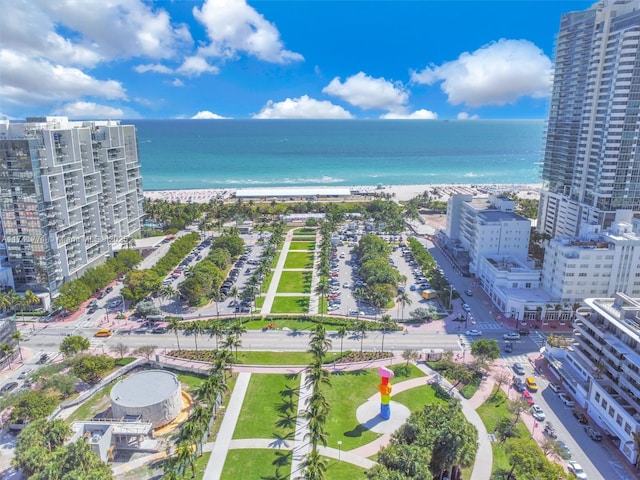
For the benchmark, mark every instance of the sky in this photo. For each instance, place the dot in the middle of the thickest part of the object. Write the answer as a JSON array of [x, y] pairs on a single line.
[[277, 59]]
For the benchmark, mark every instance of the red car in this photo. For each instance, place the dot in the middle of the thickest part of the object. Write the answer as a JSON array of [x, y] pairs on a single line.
[[528, 397]]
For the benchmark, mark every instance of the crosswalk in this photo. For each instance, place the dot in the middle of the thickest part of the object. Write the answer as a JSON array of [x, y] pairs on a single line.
[[488, 326], [511, 359]]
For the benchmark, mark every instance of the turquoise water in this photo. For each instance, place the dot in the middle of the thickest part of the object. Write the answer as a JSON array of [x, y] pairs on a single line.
[[181, 154]]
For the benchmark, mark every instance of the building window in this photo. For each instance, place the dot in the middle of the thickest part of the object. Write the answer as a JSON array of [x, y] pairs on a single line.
[[627, 428], [611, 412], [597, 396], [619, 419], [604, 404]]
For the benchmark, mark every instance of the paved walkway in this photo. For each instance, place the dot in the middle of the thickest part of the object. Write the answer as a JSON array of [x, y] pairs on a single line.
[[223, 440], [277, 273], [301, 445]]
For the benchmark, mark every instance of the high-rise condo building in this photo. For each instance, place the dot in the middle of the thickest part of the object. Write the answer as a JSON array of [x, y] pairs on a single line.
[[69, 191], [591, 163]]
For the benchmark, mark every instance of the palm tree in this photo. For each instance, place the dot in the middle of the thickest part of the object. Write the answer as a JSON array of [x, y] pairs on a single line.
[[361, 329], [314, 466], [17, 336], [341, 333], [167, 292], [174, 326], [31, 298], [387, 324], [323, 290], [195, 329], [403, 301], [215, 329], [234, 293]]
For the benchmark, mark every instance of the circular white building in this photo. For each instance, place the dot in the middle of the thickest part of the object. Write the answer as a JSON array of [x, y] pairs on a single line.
[[153, 395]]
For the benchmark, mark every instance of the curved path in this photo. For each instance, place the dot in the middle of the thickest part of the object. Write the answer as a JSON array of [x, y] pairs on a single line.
[[357, 456]]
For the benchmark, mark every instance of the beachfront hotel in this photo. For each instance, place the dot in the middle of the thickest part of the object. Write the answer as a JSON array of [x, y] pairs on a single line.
[[591, 165], [69, 193]]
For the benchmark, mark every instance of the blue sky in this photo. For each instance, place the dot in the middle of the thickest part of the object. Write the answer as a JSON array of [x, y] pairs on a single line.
[[126, 59]]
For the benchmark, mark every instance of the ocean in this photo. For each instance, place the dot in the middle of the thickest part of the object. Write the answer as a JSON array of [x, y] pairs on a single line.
[[186, 154]]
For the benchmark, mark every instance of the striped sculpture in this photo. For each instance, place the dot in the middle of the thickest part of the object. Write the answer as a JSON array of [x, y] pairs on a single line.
[[385, 392]]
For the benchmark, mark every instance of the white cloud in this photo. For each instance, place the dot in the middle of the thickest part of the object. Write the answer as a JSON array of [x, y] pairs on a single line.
[[495, 74], [207, 115], [177, 82], [117, 28], [194, 66], [303, 108], [466, 116], [84, 110], [368, 93], [421, 114], [233, 26], [30, 81], [153, 67]]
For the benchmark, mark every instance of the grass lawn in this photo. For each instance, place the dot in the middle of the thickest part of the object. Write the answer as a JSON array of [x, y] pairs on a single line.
[[290, 305], [416, 398], [340, 470], [305, 231], [299, 260], [259, 302], [309, 246], [267, 281], [348, 391], [281, 323], [303, 238], [274, 358], [257, 465], [295, 282], [264, 406], [470, 388], [491, 411]]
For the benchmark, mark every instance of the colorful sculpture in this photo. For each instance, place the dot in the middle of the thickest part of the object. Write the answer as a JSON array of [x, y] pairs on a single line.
[[385, 392]]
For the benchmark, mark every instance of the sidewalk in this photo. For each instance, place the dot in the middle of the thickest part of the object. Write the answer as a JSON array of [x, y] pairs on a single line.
[[301, 446], [277, 273]]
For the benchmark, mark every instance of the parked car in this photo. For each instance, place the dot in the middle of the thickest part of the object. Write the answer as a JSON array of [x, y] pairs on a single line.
[[519, 369], [528, 397], [25, 373], [537, 412], [555, 388], [566, 400], [473, 333], [565, 453], [469, 293], [159, 330], [531, 384], [8, 387], [593, 433], [582, 418], [576, 469], [511, 336]]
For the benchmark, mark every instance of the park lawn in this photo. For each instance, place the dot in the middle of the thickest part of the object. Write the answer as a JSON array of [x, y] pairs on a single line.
[[264, 405], [274, 358], [299, 260], [340, 470], [472, 387], [308, 246], [348, 391], [267, 281], [292, 324], [303, 238], [416, 398], [290, 305], [259, 302], [404, 372], [295, 282], [305, 231], [257, 464], [491, 411]]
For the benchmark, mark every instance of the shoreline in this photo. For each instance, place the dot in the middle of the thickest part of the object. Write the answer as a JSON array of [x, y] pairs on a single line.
[[440, 192]]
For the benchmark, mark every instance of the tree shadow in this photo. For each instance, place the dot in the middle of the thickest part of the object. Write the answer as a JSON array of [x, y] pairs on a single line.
[[292, 376], [281, 440]]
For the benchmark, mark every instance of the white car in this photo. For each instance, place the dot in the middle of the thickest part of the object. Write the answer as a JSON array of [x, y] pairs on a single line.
[[566, 400], [576, 469], [537, 413], [511, 336], [473, 333], [466, 307]]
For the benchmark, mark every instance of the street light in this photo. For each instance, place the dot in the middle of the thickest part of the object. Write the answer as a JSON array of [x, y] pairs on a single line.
[[339, 449]]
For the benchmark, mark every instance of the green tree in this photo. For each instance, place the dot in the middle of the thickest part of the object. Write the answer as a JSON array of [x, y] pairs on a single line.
[[91, 367], [174, 326], [17, 336], [485, 349], [195, 329], [341, 332], [37, 443], [32, 405], [71, 346]]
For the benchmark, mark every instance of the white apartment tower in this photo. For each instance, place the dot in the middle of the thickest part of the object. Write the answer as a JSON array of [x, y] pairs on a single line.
[[68, 192], [591, 163]]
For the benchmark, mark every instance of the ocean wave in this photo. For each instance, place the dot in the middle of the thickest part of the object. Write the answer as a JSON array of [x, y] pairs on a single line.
[[282, 181]]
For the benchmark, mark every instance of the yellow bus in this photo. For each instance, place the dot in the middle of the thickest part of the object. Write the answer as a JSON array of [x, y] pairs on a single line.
[[105, 332]]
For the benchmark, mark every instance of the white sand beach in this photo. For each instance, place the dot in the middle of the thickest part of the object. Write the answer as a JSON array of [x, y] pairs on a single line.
[[399, 192]]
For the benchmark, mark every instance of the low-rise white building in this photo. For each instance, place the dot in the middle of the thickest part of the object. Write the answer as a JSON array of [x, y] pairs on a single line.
[[595, 264], [606, 356], [486, 226]]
